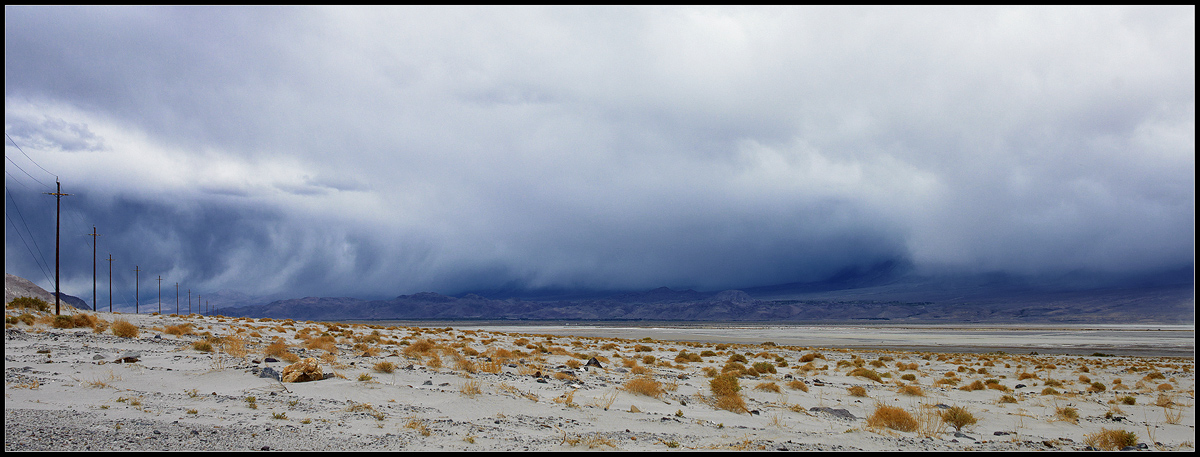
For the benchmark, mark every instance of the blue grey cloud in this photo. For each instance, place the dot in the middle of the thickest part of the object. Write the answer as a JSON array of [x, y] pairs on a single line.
[[385, 150]]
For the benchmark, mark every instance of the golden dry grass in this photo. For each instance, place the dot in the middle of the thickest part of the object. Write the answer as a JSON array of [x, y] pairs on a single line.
[[124, 329], [892, 417], [957, 417], [644, 385], [1110, 439]]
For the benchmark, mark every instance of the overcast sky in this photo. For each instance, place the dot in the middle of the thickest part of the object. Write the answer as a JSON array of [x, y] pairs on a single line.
[[377, 151]]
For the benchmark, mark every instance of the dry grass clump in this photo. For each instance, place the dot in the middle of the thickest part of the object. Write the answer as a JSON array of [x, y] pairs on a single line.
[[866, 373], [957, 417], [798, 385], [384, 367], [1110, 440], [644, 385], [892, 417], [857, 391], [686, 357], [725, 390], [1066, 413], [767, 387], [811, 356], [912, 390], [325, 343], [124, 329], [180, 330], [977, 385], [277, 348], [203, 345], [471, 388]]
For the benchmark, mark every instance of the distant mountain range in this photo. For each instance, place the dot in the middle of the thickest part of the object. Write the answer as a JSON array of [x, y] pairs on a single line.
[[903, 299]]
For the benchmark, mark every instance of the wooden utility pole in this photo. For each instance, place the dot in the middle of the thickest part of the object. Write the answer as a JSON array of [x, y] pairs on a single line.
[[57, 217], [137, 283], [159, 294], [110, 259], [95, 304]]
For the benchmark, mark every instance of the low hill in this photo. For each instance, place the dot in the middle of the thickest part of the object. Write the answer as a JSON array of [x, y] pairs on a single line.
[[16, 286]]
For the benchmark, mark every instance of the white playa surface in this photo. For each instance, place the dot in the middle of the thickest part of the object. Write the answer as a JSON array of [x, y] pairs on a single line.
[[1161, 340], [64, 391]]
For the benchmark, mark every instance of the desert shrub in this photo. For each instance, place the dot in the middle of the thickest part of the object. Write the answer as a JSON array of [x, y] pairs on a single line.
[[29, 303], [179, 330], [764, 367], [1026, 375], [724, 385], [124, 329], [642, 348], [277, 348], [957, 417], [1165, 387], [892, 417], [909, 377], [725, 390], [685, 357], [1096, 387], [644, 385], [857, 391], [385, 367], [1066, 413], [25, 318], [707, 353], [325, 343], [421, 348], [1050, 391], [866, 373], [62, 321], [1111, 440], [798, 385], [810, 357], [1008, 399], [1128, 400], [767, 387], [977, 385], [738, 358], [1053, 383], [203, 346], [911, 390]]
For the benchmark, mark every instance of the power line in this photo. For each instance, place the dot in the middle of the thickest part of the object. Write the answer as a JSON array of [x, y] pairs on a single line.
[[23, 171], [35, 259], [30, 158], [46, 267]]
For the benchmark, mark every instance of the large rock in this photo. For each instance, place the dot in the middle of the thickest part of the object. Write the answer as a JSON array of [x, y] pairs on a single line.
[[302, 371]]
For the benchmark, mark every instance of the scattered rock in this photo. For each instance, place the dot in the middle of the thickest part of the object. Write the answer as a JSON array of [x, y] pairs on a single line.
[[270, 359], [303, 371], [269, 372], [129, 357], [841, 413], [593, 363]]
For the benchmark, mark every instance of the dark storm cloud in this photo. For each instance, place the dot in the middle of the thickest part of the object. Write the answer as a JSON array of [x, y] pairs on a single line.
[[384, 150]]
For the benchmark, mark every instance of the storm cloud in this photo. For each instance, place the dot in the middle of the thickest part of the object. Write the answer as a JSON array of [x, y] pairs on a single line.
[[375, 151]]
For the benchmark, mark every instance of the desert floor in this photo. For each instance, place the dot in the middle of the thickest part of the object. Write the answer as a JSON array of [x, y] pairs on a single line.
[[205, 383]]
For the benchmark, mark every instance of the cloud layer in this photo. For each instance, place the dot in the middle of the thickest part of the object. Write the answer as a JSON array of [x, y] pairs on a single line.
[[386, 150]]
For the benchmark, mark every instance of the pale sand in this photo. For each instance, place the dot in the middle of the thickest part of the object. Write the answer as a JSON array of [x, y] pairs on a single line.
[[176, 397]]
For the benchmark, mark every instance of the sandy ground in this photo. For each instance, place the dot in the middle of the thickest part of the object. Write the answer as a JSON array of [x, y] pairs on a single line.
[[486, 390]]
